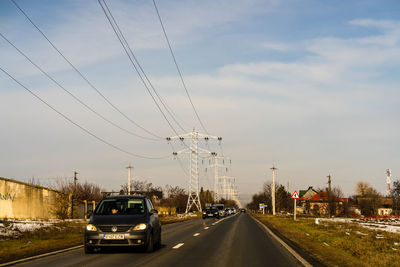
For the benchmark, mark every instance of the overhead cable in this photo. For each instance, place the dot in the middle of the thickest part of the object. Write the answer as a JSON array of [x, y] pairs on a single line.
[[78, 125], [177, 67], [75, 97], [82, 76], [133, 60]]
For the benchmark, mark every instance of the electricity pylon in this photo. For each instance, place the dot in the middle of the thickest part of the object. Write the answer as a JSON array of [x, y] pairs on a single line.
[[193, 151], [228, 187], [216, 166]]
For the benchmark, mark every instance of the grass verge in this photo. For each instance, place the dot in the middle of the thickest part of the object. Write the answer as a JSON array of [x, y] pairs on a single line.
[[338, 244], [62, 235]]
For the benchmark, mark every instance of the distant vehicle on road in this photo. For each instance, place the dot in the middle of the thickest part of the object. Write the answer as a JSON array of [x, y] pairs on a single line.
[[221, 209], [211, 212], [228, 211], [242, 210], [123, 221]]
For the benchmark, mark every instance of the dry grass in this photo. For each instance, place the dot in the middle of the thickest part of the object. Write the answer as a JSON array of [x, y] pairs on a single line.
[[339, 244], [41, 241]]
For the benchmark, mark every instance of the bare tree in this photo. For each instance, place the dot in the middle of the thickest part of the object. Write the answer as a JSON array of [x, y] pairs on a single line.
[[368, 198]]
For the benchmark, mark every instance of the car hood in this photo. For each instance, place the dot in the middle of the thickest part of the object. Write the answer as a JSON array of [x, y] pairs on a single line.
[[117, 219]]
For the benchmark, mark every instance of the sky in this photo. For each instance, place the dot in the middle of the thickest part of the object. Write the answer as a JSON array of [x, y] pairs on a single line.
[[311, 87]]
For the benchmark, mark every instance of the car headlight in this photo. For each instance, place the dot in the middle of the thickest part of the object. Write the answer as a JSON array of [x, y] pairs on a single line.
[[204, 212], [140, 226], [91, 227]]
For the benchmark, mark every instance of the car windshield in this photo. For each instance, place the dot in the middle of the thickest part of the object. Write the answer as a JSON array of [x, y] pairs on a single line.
[[120, 207]]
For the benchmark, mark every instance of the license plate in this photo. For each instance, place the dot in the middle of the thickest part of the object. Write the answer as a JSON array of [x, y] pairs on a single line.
[[210, 215], [114, 236]]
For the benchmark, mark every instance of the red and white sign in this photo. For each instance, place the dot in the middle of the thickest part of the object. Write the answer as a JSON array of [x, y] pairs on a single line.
[[295, 195]]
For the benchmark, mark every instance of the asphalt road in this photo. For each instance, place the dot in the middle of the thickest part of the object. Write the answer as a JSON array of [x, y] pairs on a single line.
[[233, 241]]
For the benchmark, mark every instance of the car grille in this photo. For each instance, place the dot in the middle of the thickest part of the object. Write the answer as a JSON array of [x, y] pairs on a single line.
[[120, 228]]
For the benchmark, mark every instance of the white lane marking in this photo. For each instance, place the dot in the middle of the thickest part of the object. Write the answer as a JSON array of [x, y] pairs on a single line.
[[213, 224], [196, 234], [178, 245], [292, 251], [205, 228]]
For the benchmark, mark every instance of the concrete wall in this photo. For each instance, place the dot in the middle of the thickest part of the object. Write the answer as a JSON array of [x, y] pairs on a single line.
[[19, 200]]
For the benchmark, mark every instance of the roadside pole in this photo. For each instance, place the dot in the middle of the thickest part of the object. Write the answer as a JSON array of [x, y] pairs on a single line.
[[273, 189], [85, 201], [129, 178], [295, 196]]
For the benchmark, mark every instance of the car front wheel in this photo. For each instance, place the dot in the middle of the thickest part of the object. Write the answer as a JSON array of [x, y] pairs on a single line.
[[158, 244], [150, 244], [89, 250]]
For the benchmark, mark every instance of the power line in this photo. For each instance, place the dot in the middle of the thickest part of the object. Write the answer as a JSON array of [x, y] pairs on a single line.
[[82, 76], [133, 59], [177, 67], [73, 96], [77, 125], [167, 108]]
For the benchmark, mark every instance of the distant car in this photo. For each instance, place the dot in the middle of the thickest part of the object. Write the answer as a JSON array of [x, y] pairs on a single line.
[[210, 212], [242, 210], [123, 221], [228, 211], [221, 209]]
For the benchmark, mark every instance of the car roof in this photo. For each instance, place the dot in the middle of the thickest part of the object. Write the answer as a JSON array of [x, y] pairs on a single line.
[[124, 197]]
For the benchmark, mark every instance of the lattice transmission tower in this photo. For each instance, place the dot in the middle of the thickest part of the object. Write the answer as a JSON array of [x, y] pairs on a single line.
[[193, 150]]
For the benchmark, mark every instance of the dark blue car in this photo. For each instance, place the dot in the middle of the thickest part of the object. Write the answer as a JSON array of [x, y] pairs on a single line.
[[120, 221]]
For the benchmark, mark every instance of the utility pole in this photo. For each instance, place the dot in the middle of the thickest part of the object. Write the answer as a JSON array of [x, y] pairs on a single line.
[[329, 183], [129, 178], [73, 195], [193, 151], [273, 189]]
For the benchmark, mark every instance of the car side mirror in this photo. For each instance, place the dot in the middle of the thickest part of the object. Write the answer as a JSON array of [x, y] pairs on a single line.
[[154, 211]]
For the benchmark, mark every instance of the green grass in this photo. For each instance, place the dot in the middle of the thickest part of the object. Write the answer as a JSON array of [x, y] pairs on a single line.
[[42, 241], [338, 244]]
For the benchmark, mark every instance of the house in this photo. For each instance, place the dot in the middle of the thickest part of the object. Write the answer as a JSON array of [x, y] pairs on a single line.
[[307, 193], [319, 204], [303, 206], [371, 206], [386, 206]]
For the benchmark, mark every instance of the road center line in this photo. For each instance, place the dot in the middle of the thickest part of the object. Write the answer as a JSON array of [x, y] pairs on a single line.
[[196, 234], [205, 228], [178, 245]]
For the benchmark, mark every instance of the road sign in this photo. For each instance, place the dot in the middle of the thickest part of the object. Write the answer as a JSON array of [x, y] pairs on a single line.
[[295, 195]]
